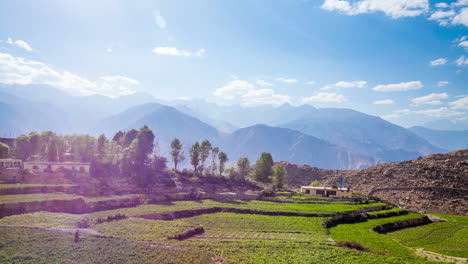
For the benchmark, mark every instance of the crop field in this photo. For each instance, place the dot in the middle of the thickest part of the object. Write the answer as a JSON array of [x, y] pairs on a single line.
[[45, 237], [448, 238], [309, 208], [36, 197]]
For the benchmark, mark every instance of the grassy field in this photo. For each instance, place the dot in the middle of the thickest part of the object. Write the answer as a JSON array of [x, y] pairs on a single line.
[[377, 243], [448, 238], [37, 197], [44, 237]]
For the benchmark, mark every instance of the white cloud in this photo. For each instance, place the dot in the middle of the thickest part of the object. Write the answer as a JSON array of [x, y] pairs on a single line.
[[17, 70], [311, 83], [286, 80], [19, 43], [325, 98], [263, 83], [442, 5], [392, 8], [248, 94], [461, 18], [404, 86], [109, 50], [173, 51], [358, 84], [385, 102], [438, 62], [432, 99], [442, 112], [463, 44], [343, 84], [200, 52], [461, 103], [462, 61], [442, 83], [160, 21], [443, 17]]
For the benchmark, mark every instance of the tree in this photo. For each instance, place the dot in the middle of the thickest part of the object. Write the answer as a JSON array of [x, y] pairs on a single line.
[[315, 183], [159, 163], [23, 147], [101, 145], [205, 149], [128, 138], [243, 167], [118, 136], [214, 154], [231, 173], [195, 156], [279, 174], [35, 140], [140, 160], [4, 151], [222, 157], [263, 168], [176, 152]]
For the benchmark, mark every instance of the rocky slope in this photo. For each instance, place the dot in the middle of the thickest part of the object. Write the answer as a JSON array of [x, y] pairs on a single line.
[[436, 183]]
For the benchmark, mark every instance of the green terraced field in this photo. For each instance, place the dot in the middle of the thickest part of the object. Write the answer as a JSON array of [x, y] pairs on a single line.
[[44, 237], [448, 238], [377, 243], [36, 197]]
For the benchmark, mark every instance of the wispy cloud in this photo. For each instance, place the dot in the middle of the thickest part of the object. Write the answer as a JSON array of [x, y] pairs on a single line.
[[461, 103], [385, 102], [248, 94], [432, 99], [173, 51], [442, 83], [438, 62], [391, 8], [17, 70], [462, 61], [286, 80], [160, 21], [343, 84], [445, 14], [324, 98], [263, 83], [19, 43], [395, 87]]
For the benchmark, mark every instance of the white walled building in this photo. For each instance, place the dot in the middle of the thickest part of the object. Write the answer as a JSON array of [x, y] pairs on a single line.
[[42, 166]]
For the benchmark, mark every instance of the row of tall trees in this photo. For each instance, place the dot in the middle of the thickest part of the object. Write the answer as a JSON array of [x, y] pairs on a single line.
[[135, 153]]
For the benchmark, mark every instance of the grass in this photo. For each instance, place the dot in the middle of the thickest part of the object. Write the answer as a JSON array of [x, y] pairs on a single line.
[[383, 212], [329, 208], [43, 220], [448, 238], [236, 238], [143, 229], [19, 245], [380, 244], [38, 197]]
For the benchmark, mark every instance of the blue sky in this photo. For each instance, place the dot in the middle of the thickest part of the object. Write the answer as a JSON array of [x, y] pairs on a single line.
[[403, 60]]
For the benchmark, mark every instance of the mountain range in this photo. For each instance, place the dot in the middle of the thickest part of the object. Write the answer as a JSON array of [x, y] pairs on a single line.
[[330, 138]]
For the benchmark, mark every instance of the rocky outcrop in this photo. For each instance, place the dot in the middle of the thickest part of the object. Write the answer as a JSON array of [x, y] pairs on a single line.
[[436, 183]]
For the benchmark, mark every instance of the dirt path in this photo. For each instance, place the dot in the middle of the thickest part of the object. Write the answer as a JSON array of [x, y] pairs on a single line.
[[432, 256]]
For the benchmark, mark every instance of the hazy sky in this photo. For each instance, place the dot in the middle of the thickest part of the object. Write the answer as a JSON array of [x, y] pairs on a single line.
[[398, 59]]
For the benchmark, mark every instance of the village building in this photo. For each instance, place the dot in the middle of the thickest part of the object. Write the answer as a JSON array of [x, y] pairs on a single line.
[[44, 166], [333, 191], [11, 163]]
